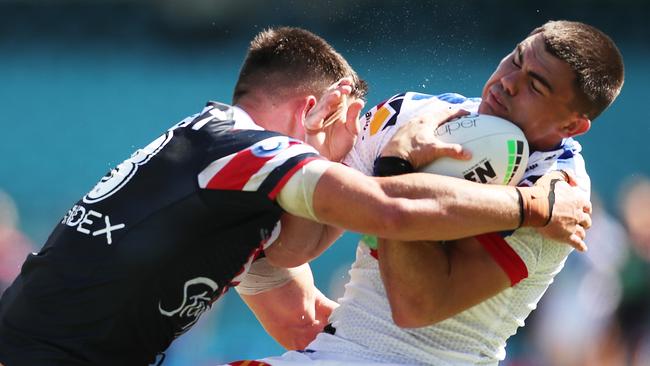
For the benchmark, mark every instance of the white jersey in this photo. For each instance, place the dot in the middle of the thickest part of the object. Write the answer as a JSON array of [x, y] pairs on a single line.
[[477, 336]]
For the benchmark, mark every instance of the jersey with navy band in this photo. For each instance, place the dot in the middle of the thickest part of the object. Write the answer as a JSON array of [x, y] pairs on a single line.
[[140, 257], [363, 321]]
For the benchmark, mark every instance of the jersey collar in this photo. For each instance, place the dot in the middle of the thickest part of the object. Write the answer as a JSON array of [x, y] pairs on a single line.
[[243, 120]]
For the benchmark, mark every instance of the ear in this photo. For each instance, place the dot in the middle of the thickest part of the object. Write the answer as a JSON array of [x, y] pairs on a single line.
[[577, 126], [304, 105]]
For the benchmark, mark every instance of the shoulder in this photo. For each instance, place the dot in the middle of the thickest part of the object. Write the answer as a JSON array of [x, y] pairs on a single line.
[[572, 160], [566, 157], [404, 106], [379, 123]]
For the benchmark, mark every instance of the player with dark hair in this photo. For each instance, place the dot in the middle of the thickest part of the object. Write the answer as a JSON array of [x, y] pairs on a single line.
[[137, 260], [594, 59]]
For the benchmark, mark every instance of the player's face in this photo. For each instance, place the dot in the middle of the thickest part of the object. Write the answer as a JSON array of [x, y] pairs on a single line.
[[533, 89]]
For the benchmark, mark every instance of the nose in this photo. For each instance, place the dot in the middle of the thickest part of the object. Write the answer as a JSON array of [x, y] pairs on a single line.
[[510, 82]]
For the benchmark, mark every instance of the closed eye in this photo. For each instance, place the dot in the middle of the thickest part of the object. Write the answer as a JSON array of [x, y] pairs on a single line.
[[535, 88], [517, 56], [515, 63]]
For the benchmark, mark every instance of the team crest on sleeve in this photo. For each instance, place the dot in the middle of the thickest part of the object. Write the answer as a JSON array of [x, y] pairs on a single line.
[[270, 146], [114, 180]]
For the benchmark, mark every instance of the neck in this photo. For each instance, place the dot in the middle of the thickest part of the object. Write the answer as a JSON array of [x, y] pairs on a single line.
[[270, 115], [552, 144]]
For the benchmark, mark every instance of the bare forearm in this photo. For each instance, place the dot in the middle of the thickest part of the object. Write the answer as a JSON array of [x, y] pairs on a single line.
[[294, 313], [414, 206], [466, 208]]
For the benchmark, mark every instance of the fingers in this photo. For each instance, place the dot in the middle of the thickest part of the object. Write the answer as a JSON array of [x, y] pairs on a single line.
[[577, 239], [570, 177], [328, 110], [333, 106], [446, 116], [346, 81], [578, 242], [457, 113], [343, 86], [454, 151], [584, 215], [343, 110], [581, 232], [339, 113], [352, 118], [313, 122], [585, 222]]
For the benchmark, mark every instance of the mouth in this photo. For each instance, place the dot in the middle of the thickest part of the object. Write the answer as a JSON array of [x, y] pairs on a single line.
[[496, 103]]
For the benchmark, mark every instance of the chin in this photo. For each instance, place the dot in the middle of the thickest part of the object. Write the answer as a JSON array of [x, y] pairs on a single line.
[[484, 108]]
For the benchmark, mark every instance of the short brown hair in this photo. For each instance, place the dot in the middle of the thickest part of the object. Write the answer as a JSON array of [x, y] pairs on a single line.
[[292, 60], [594, 58]]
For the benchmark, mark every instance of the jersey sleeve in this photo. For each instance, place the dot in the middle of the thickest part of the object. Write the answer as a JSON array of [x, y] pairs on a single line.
[[566, 158], [264, 166], [378, 127], [525, 252], [515, 255], [576, 165], [382, 121]]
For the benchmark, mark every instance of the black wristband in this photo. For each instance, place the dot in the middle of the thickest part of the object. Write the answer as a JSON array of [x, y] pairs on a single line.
[[551, 199], [386, 166]]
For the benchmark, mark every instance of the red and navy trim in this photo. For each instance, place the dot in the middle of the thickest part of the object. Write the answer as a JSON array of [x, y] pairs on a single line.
[[264, 167]]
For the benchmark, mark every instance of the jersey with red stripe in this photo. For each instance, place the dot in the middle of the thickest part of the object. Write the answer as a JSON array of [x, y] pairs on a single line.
[[363, 321], [153, 245]]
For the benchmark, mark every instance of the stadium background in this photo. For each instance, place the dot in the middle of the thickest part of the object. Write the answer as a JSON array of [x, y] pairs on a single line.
[[85, 83]]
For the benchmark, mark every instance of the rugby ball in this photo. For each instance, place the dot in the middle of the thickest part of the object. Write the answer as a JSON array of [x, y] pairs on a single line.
[[499, 150]]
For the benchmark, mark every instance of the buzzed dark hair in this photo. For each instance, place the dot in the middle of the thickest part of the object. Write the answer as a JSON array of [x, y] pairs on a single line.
[[292, 60], [594, 58]]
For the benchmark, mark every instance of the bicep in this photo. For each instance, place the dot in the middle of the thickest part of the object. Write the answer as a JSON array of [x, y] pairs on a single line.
[[475, 276], [414, 275], [347, 198], [300, 241], [485, 265]]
